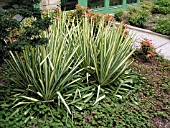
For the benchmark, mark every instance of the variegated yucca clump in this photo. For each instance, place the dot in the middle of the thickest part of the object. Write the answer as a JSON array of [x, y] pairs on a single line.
[[78, 63]]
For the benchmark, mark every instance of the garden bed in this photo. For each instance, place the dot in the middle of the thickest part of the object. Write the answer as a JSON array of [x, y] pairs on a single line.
[[87, 75], [149, 15]]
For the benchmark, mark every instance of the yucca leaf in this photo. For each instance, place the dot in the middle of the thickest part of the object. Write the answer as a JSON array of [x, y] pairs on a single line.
[[65, 104]]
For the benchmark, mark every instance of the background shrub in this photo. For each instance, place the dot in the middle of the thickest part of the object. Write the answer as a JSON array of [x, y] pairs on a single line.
[[13, 35], [137, 16], [162, 6], [162, 25], [119, 15]]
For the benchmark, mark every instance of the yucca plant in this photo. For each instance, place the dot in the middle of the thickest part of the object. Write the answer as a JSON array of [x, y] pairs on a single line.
[[106, 52], [46, 73], [79, 62], [106, 55]]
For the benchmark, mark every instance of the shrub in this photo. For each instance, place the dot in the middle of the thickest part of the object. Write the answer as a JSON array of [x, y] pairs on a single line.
[[162, 6], [162, 26], [137, 16], [45, 72], [147, 5], [147, 49], [14, 35], [106, 54], [118, 15]]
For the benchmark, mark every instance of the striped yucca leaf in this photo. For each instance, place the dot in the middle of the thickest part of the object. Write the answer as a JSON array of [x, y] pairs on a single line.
[[52, 71], [106, 51], [45, 73]]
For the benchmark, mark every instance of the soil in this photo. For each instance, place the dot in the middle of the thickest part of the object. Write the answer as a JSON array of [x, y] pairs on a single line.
[[149, 26]]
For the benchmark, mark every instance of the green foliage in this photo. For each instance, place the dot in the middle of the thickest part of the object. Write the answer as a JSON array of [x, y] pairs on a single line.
[[110, 113], [147, 5], [137, 16], [113, 110], [162, 7], [12, 36], [36, 115], [119, 15], [77, 64], [105, 53], [147, 50], [44, 73], [162, 25]]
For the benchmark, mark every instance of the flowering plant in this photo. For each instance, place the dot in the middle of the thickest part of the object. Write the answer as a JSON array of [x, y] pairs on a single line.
[[81, 12], [147, 48]]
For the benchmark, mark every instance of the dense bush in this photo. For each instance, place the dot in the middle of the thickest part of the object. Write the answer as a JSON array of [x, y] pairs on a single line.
[[162, 26], [119, 15], [13, 33], [162, 6], [135, 16]]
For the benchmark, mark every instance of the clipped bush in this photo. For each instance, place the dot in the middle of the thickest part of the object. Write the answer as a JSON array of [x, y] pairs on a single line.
[[137, 16], [162, 7], [162, 26]]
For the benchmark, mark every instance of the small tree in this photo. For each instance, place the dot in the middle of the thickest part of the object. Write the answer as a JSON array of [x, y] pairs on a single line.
[[13, 33]]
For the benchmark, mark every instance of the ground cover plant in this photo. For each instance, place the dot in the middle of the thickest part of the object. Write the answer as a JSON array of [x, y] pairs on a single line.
[[148, 106]]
